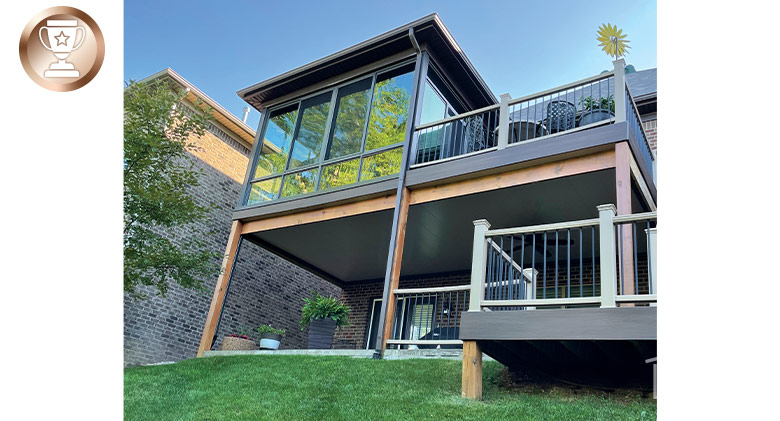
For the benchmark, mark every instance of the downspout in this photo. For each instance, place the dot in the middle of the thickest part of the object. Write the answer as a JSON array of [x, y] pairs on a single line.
[[379, 351]]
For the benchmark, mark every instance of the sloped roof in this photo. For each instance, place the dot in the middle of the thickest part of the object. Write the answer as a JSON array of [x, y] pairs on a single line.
[[643, 83], [220, 114]]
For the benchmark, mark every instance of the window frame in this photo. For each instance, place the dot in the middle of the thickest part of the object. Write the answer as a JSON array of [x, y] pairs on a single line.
[[327, 139]]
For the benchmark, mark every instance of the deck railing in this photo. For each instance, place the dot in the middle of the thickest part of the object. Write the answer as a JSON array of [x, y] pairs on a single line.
[[568, 264], [595, 101], [463, 134], [428, 317]]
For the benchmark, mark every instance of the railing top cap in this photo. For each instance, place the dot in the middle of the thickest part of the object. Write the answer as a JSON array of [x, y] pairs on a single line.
[[482, 222], [606, 207]]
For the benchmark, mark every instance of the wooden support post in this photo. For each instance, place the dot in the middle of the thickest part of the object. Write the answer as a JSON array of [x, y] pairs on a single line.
[[625, 234], [395, 271], [471, 381], [209, 329]]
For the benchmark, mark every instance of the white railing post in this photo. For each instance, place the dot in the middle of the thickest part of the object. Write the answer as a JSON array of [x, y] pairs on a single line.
[[530, 285], [620, 90], [653, 253], [479, 256], [607, 254], [503, 121]]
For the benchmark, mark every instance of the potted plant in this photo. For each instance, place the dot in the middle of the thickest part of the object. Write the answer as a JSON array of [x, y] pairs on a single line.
[[270, 337], [593, 110], [322, 315], [238, 341]]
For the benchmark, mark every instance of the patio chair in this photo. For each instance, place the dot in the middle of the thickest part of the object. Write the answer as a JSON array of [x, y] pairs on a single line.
[[561, 115]]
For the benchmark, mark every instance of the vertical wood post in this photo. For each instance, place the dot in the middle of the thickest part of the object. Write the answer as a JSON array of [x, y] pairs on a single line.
[[395, 271], [471, 379], [620, 90], [209, 329], [626, 235], [478, 258], [607, 255], [503, 121]]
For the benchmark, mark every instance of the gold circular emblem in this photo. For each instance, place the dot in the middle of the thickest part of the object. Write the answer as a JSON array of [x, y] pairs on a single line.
[[62, 48]]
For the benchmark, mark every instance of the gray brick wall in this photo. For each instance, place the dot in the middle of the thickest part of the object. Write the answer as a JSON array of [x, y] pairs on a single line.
[[265, 288]]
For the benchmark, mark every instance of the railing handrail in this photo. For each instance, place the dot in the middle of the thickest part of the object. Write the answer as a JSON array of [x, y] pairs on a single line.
[[633, 217], [641, 127], [456, 117], [563, 87], [544, 227], [608, 297], [403, 291]]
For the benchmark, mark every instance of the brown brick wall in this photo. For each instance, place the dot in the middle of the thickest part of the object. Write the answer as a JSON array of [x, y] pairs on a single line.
[[265, 288], [651, 130]]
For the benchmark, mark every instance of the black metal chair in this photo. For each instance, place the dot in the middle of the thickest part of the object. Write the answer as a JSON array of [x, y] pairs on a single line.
[[561, 115]]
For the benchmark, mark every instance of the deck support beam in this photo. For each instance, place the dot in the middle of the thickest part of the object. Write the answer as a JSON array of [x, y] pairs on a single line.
[[395, 270], [220, 290], [471, 380], [625, 235]]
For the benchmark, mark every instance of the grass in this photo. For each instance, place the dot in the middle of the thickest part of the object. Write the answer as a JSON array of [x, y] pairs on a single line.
[[292, 387]]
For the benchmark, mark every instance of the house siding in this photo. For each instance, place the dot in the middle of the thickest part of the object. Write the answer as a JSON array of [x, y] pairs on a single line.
[[265, 288]]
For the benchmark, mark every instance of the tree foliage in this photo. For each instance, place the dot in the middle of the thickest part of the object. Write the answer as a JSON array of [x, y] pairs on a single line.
[[158, 173]]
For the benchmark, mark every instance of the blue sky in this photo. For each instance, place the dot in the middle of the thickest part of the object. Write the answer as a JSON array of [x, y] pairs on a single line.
[[518, 47]]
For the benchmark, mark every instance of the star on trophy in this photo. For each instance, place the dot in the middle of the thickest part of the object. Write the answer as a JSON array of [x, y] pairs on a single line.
[[62, 35]]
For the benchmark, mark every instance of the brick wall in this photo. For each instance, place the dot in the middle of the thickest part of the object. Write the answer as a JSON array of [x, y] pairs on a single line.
[[265, 288], [361, 295], [651, 130]]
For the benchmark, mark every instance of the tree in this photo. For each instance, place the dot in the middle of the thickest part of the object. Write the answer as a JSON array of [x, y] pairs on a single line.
[[158, 173]]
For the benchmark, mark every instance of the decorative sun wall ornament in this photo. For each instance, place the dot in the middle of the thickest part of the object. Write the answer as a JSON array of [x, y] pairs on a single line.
[[612, 40]]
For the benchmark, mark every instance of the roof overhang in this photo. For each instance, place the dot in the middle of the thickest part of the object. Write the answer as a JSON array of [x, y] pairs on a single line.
[[429, 30], [199, 99]]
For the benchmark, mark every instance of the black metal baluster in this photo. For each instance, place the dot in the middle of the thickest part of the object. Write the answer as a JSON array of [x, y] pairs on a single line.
[[622, 265], [544, 265], [649, 261], [593, 258], [521, 285], [568, 263], [581, 294], [512, 267], [636, 262], [556, 260]]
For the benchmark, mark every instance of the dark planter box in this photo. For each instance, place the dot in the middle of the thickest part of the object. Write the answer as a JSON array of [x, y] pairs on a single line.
[[321, 333], [589, 117]]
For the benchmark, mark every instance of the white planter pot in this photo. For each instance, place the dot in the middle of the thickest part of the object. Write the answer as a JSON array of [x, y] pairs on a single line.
[[270, 342]]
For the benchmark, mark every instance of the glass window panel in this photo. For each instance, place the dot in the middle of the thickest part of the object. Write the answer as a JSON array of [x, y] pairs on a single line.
[[389, 109], [278, 139], [299, 183], [352, 103], [339, 174], [263, 191], [433, 107], [381, 164], [308, 141]]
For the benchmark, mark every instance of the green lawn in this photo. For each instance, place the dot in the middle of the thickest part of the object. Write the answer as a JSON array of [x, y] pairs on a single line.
[[311, 387]]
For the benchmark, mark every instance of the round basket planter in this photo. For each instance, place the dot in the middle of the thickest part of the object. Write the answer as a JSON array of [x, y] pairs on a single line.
[[589, 117], [232, 343], [270, 341], [321, 333]]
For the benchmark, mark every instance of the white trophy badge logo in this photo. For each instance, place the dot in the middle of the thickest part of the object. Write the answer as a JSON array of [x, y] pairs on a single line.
[[62, 35]]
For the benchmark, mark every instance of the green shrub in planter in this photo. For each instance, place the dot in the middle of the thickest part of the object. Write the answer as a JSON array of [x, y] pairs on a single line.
[[322, 315], [270, 337], [596, 109]]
